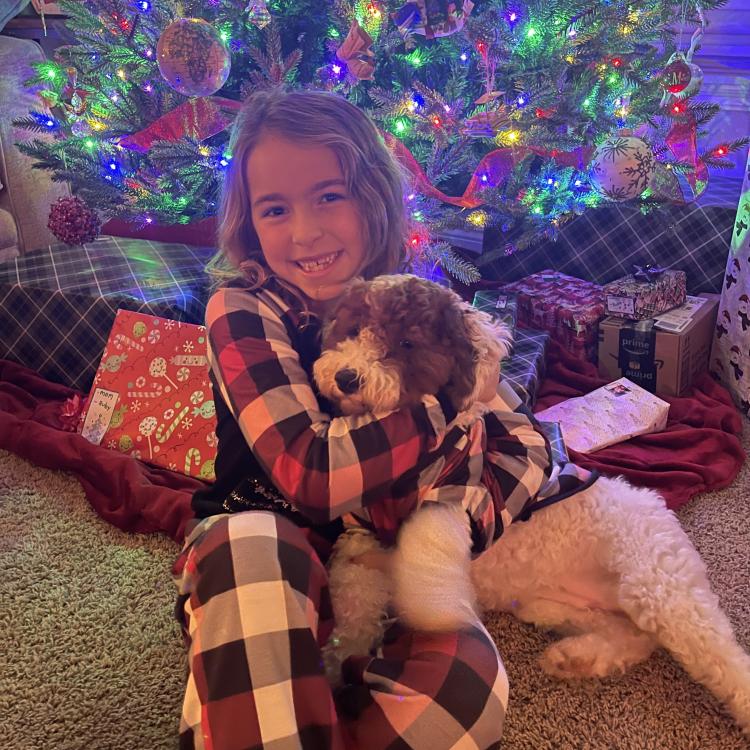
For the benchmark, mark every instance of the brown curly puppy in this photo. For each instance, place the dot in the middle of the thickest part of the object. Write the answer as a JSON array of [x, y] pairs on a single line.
[[390, 342], [395, 339]]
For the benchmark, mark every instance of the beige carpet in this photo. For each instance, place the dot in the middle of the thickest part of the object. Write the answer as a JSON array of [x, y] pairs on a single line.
[[91, 658]]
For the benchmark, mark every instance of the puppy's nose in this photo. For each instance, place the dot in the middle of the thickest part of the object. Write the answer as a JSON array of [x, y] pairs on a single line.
[[347, 380]]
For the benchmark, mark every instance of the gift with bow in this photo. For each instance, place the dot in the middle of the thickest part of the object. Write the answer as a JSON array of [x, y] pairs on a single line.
[[648, 291], [647, 272]]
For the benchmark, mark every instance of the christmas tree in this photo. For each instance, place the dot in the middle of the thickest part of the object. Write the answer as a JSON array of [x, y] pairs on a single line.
[[512, 115]]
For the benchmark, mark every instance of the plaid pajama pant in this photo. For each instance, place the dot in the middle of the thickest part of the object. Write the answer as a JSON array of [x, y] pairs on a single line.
[[255, 610]]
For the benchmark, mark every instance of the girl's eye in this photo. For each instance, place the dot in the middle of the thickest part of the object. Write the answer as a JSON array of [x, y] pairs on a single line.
[[331, 197], [273, 211]]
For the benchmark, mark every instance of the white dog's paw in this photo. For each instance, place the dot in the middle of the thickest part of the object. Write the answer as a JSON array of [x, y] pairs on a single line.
[[580, 657], [431, 570]]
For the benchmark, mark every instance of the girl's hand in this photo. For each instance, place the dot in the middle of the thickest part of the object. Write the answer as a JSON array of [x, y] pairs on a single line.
[[489, 390]]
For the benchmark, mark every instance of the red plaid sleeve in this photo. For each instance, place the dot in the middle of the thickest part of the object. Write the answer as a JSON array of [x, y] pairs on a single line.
[[517, 453], [325, 466]]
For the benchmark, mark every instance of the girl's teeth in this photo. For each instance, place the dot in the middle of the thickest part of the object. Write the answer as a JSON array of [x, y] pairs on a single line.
[[316, 265]]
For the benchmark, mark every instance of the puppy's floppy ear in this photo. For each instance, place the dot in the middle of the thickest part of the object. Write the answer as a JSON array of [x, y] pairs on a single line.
[[462, 381], [480, 345], [346, 311], [352, 296]]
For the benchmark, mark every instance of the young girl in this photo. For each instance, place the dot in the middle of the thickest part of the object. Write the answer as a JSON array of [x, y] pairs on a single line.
[[312, 199]]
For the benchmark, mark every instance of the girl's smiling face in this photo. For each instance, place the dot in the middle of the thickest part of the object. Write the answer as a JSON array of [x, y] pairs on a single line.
[[309, 226]]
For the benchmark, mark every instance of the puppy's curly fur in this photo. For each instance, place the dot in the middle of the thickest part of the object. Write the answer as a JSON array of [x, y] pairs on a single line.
[[389, 343], [637, 582], [403, 337]]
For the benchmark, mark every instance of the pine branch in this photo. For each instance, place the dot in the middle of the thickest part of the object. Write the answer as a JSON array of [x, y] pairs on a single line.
[[273, 67], [556, 72], [31, 124], [716, 156], [717, 162], [703, 111], [452, 262]]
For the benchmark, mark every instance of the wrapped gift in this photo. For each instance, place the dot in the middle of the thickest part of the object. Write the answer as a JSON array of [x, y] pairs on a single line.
[[151, 396], [525, 368], [608, 415], [58, 304], [645, 293], [569, 309], [502, 306]]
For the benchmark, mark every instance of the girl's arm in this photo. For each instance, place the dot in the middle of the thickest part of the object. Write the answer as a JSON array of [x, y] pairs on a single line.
[[325, 466], [517, 453]]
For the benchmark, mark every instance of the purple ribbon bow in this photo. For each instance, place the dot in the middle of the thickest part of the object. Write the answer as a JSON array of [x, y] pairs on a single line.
[[648, 272]]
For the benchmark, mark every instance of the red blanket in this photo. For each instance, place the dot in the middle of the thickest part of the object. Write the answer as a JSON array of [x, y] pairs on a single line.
[[699, 450], [127, 493]]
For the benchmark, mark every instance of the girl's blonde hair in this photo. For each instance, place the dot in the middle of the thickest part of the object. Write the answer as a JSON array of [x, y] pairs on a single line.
[[373, 178]]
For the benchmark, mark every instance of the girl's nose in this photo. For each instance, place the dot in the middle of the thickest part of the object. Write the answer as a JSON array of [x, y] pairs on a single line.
[[306, 230]]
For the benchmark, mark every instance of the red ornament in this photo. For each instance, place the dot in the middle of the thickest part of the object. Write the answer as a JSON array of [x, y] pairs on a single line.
[[676, 76], [73, 222], [616, 62]]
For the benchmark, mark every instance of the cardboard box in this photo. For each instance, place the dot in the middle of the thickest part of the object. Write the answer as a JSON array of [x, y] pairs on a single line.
[[664, 354]]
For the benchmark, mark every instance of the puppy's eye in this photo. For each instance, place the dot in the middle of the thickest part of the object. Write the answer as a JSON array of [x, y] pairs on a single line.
[[405, 344], [352, 332]]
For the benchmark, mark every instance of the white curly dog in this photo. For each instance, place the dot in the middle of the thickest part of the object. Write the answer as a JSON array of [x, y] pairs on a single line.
[[609, 568]]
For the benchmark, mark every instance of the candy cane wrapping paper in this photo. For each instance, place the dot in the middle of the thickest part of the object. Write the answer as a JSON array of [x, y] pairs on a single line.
[[152, 397]]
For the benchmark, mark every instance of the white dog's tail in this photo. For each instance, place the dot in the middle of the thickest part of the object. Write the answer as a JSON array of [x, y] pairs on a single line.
[[431, 570]]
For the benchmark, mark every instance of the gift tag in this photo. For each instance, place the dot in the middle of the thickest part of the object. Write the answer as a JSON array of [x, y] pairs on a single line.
[[621, 305], [99, 415]]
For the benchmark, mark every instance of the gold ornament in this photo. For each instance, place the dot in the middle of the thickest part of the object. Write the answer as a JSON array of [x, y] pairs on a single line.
[[192, 57]]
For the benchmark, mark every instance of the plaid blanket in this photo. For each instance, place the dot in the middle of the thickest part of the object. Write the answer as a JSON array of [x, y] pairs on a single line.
[[58, 304], [603, 244]]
